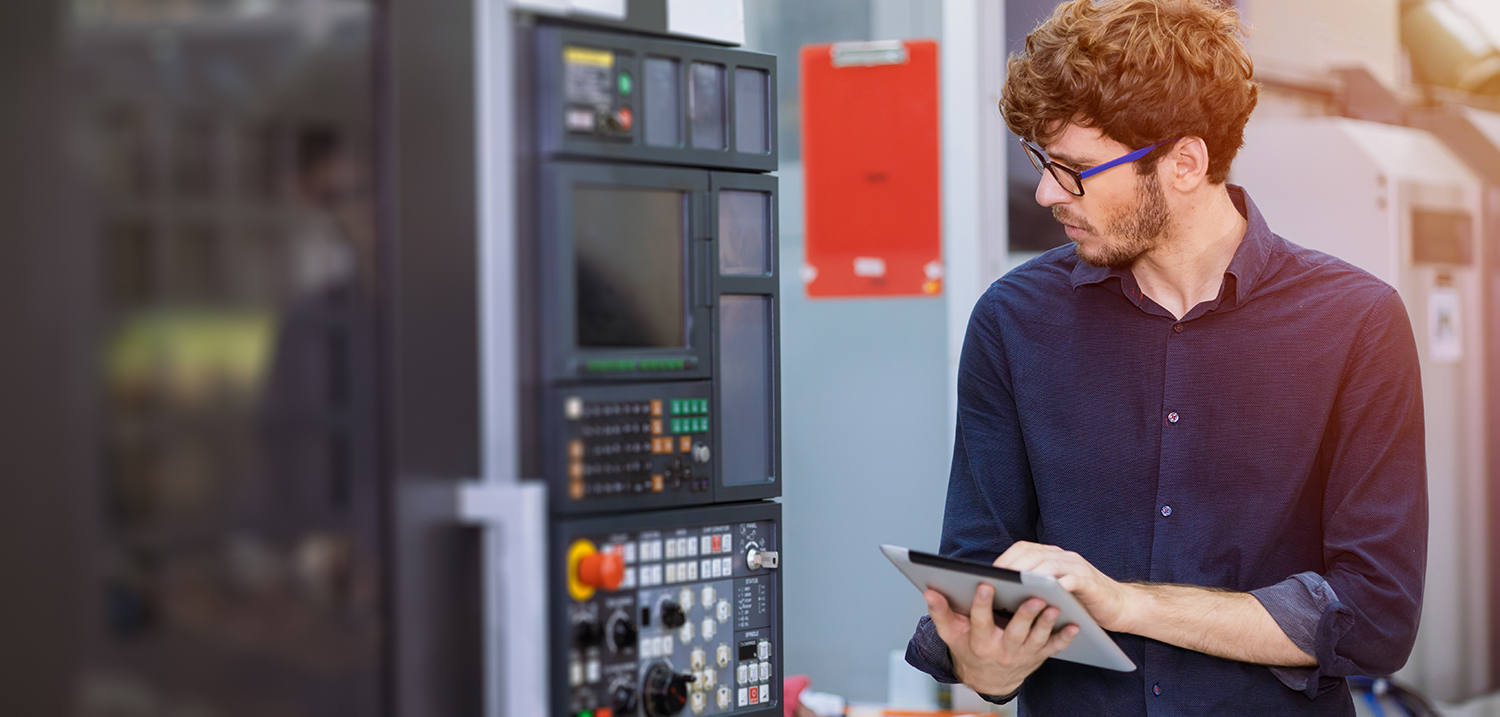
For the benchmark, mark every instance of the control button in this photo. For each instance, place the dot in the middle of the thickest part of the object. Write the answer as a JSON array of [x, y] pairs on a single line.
[[604, 712], [692, 547], [629, 583], [765, 694], [692, 571], [723, 697], [685, 596], [685, 634], [723, 611], [579, 119], [709, 595], [685, 444], [739, 674], [765, 671], [754, 695], [591, 671], [602, 570], [742, 697], [575, 489], [763, 650], [698, 702], [672, 576], [658, 484], [701, 453], [671, 549], [625, 82], [624, 119], [656, 407], [1166, 510], [710, 678], [708, 628], [725, 543], [575, 673], [697, 659], [1172, 417], [573, 408], [722, 655], [672, 615], [656, 427]]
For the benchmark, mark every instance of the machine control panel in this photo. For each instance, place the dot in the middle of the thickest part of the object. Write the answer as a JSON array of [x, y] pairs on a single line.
[[664, 621], [634, 446]]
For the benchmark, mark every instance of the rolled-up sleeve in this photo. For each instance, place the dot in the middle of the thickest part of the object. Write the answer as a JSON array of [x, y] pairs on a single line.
[[1360, 616]]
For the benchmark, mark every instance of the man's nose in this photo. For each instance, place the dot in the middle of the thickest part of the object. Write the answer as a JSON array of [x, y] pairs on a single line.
[[1050, 193]]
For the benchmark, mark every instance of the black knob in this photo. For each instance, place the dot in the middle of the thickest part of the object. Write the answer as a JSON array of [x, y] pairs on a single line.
[[666, 692], [588, 634], [623, 700], [622, 631], [672, 615]]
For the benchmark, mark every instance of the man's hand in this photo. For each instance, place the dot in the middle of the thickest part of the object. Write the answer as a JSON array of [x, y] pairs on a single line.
[[1111, 603], [993, 660]]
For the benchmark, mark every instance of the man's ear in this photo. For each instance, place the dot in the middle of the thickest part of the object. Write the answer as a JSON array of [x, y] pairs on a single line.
[[1187, 164]]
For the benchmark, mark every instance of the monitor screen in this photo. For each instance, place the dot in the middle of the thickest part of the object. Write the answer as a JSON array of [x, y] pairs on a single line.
[[628, 247]]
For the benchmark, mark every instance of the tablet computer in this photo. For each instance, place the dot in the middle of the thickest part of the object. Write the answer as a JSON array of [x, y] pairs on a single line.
[[958, 579]]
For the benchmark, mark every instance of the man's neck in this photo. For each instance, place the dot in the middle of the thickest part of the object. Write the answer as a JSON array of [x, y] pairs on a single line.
[[1187, 268]]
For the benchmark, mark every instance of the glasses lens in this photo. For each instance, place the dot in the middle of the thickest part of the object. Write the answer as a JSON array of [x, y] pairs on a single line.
[[1067, 180]]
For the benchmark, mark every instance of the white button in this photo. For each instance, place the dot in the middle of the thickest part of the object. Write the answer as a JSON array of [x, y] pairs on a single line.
[[671, 571], [696, 659], [685, 597], [671, 549], [765, 671], [698, 701], [664, 646], [723, 655], [692, 547], [629, 581], [707, 545], [763, 650], [742, 697], [723, 611], [686, 633], [711, 570], [708, 628], [575, 673], [724, 545], [723, 697], [709, 595], [728, 566], [592, 671], [709, 678], [765, 694], [692, 571], [683, 547], [628, 552]]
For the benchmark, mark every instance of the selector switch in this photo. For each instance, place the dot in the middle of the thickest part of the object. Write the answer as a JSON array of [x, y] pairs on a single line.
[[665, 691], [672, 615], [587, 633], [622, 633]]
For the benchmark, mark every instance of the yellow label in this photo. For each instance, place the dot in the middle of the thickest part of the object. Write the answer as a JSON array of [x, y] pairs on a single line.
[[585, 56]]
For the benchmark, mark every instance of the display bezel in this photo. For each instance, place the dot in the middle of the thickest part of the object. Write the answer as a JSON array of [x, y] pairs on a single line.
[[563, 359]]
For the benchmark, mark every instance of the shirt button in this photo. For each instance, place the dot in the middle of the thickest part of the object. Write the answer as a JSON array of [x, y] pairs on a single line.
[[1156, 689], [1166, 510], [1177, 328], [1172, 417]]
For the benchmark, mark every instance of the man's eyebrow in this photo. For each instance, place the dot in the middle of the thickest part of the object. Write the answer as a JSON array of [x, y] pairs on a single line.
[[1070, 160]]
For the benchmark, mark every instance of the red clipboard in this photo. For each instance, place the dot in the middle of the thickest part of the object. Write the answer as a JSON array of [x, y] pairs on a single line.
[[872, 166]]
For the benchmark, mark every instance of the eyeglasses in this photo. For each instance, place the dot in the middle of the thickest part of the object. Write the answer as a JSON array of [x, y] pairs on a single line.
[[1072, 181]]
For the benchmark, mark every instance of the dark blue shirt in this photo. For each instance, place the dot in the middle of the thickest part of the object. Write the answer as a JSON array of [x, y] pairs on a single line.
[[1270, 442]]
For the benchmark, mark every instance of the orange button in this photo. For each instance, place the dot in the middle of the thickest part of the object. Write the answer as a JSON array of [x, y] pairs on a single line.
[[602, 570], [575, 449], [656, 427], [575, 490], [604, 712], [657, 484], [575, 470], [656, 407]]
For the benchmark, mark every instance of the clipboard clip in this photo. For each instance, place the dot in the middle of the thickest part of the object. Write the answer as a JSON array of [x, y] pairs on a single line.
[[865, 54]]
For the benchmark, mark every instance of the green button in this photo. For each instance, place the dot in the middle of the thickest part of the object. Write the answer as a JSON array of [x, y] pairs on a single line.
[[703, 405], [626, 83]]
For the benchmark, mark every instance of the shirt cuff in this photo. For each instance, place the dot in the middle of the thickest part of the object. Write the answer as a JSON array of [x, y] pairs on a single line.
[[1306, 607], [927, 652]]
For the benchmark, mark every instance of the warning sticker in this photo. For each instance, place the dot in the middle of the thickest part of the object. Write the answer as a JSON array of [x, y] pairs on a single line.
[[587, 75]]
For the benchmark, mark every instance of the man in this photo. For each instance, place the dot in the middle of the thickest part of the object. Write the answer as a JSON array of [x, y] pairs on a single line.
[[1212, 436]]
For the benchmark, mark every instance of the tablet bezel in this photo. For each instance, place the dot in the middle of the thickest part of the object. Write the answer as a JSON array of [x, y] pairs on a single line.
[[957, 580]]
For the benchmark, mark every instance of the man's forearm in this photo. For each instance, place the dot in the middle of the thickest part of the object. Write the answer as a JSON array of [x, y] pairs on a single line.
[[1230, 625]]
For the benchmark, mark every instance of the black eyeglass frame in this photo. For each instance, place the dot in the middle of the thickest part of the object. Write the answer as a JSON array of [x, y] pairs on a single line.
[[1042, 162]]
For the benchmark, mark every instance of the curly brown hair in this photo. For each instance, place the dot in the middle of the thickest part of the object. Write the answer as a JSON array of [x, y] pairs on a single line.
[[1141, 71]]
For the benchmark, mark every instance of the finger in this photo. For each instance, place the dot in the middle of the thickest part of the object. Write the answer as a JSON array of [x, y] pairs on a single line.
[[1020, 625], [1041, 630], [1017, 548], [942, 615], [982, 616], [1060, 640]]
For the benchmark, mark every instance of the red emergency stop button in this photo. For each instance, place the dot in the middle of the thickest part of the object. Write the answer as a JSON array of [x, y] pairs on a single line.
[[602, 570], [625, 118]]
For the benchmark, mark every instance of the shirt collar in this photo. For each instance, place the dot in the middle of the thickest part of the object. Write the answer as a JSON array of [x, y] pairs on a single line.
[[1246, 267]]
